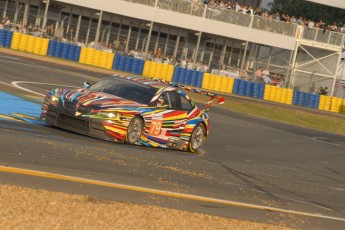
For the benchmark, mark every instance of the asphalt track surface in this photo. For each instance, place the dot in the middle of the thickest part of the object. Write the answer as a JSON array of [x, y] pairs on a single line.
[[249, 168]]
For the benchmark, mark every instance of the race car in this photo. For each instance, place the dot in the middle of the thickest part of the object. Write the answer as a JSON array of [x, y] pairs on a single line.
[[133, 110]]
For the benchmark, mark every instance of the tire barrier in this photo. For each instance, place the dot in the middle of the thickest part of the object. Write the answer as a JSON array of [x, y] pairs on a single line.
[[249, 89], [218, 83], [30, 44], [158, 70], [336, 104], [325, 103], [64, 50], [306, 99], [97, 58], [280, 95], [2, 37], [188, 77], [128, 64], [333, 104], [6, 38], [89, 56]]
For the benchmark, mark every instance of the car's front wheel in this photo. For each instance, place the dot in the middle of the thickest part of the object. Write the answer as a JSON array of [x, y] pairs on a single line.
[[134, 130], [197, 138]]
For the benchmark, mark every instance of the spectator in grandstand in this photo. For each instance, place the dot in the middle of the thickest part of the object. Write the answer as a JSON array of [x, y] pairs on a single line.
[[124, 46], [258, 74], [158, 52], [92, 44], [333, 27], [342, 29], [70, 34], [244, 9], [228, 5], [21, 28], [265, 72], [30, 28], [116, 45], [50, 31], [311, 24], [312, 88], [323, 90], [300, 21], [276, 16], [293, 19], [244, 75], [265, 14], [267, 79], [6, 22], [237, 7], [257, 11]]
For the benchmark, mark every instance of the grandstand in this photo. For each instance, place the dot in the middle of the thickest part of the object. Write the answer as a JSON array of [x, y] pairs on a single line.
[[224, 40]]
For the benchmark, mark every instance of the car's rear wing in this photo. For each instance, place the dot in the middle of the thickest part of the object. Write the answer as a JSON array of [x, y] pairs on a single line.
[[220, 100]]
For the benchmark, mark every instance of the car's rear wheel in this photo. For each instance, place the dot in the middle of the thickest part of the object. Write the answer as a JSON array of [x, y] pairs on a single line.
[[197, 138], [134, 130]]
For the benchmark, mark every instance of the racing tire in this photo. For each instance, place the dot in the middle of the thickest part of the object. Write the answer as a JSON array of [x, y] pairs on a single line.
[[197, 138], [134, 130]]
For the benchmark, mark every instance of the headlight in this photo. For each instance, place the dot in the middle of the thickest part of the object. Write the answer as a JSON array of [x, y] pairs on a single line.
[[113, 116], [54, 98]]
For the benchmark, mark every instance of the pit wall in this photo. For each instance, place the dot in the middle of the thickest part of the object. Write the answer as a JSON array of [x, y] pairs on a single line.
[[150, 69]]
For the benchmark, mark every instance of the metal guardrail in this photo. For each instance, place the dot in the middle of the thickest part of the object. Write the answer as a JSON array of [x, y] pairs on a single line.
[[274, 26], [323, 36], [143, 2], [254, 22], [183, 6]]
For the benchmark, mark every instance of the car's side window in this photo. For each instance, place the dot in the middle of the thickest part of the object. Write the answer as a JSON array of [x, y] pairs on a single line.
[[170, 99], [185, 104]]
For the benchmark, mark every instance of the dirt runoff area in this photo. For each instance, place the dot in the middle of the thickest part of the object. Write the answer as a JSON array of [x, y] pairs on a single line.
[[24, 208]]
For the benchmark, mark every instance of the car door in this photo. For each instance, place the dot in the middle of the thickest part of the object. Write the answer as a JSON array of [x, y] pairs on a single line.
[[169, 119]]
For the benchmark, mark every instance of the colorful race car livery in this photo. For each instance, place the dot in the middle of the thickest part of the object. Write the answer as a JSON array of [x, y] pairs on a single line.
[[132, 110]]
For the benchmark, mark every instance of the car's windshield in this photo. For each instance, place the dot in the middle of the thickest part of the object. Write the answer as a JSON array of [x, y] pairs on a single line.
[[126, 89]]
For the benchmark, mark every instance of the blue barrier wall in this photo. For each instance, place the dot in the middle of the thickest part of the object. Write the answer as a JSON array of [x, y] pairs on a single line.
[[6, 38], [306, 99], [188, 77], [64, 50], [248, 88], [128, 64]]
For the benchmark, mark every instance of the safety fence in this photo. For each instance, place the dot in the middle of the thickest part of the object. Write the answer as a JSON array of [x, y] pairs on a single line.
[[151, 69]]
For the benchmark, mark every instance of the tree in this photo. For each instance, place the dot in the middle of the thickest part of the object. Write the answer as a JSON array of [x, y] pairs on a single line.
[[309, 10]]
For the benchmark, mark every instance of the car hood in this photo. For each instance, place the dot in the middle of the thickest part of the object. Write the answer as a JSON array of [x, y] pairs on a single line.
[[97, 100]]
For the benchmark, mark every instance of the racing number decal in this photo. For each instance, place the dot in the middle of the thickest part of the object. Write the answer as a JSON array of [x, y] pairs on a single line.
[[156, 127]]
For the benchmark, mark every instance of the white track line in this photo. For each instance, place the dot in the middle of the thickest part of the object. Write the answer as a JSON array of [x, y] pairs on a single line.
[[25, 64], [16, 84]]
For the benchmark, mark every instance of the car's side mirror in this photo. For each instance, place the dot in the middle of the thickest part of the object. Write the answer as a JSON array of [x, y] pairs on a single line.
[[86, 85], [221, 100]]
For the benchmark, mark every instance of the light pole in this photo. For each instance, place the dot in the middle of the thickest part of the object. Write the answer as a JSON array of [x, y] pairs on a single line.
[[47, 2], [107, 27], [99, 26]]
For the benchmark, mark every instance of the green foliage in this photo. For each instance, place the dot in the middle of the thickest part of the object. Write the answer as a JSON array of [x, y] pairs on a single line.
[[309, 10]]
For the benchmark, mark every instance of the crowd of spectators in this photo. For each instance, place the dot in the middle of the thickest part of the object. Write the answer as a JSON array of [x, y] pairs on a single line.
[[299, 20], [321, 90]]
